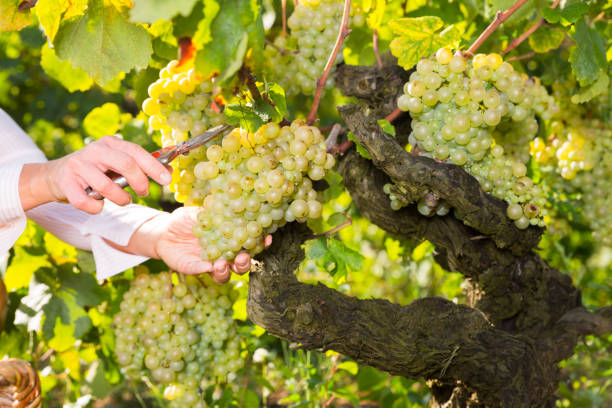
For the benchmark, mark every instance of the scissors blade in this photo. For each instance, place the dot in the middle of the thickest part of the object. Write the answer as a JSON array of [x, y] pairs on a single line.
[[202, 138]]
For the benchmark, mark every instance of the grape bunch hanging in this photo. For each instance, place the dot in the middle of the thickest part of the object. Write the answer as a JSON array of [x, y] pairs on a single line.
[[181, 337], [474, 114]]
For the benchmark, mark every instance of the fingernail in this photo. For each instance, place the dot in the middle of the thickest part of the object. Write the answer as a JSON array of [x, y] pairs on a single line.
[[165, 178]]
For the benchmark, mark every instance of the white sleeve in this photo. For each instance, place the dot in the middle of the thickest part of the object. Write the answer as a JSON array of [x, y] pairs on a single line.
[[114, 223], [85, 231]]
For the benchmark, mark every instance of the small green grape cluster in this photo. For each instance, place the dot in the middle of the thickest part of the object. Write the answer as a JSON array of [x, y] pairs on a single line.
[[181, 100], [181, 337], [250, 184], [473, 113], [181, 105], [296, 62]]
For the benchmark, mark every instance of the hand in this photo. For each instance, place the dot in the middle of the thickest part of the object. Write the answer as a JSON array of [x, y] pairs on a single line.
[[171, 240], [67, 178]]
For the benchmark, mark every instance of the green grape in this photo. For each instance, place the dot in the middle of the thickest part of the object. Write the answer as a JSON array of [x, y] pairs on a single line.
[[481, 115], [181, 359]]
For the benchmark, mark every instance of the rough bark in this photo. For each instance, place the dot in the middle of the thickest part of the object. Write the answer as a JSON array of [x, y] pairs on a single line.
[[500, 350]]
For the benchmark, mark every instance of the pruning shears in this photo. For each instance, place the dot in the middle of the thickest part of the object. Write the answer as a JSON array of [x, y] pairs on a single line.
[[166, 154]]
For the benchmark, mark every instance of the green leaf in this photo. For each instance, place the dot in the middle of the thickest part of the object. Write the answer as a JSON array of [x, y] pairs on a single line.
[[203, 34], [244, 115], [522, 13], [337, 219], [230, 27], [250, 399], [545, 40], [103, 43], [349, 366], [567, 15], [72, 79], [386, 126], [345, 255], [276, 94], [149, 11], [11, 18], [360, 149], [49, 13], [588, 56], [419, 37], [103, 120], [600, 86]]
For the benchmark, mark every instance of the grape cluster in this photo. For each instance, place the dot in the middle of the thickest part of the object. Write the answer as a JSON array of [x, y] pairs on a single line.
[[181, 337], [296, 62], [480, 114], [576, 162], [250, 184]]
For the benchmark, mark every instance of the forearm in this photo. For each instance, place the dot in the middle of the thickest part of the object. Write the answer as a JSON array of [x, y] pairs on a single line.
[[144, 240], [33, 186]]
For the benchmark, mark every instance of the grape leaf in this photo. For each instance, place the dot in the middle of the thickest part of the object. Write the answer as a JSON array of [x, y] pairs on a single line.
[[230, 26], [545, 40], [245, 115], [72, 79], [567, 15], [102, 42], [276, 94], [588, 56], [419, 37], [386, 126], [49, 13], [597, 88], [103, 120], [11, 18], [375, 18], [149, 11], [203, 34], [335, 257], [360, 149], [522, 13]]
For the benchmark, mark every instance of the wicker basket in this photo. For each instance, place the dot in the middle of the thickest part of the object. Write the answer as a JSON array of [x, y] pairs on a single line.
[[19, 385]]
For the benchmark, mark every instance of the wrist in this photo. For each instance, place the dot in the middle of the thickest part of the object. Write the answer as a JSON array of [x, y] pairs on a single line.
[[34, 189], [146, 238]]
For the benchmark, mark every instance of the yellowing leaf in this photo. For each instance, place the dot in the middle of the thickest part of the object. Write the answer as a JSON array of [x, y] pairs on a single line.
[[73, 79], [103, 120], [20, 271], [349, 366], [60, 251], [421, 250], [545, 39], [49, 13], [11, 18], [149, 11], [62, 337], [103, 43], [419, 37], [240, 310]]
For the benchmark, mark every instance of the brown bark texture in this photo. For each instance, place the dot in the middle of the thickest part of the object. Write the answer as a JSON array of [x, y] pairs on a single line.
[[522, 318]]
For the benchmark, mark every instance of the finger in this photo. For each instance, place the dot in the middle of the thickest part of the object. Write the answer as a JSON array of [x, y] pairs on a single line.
[[221, 271], [146, 162], [197, 267], [101, 183], [242, 263], [76, 196], [268, 240], [125, 165]]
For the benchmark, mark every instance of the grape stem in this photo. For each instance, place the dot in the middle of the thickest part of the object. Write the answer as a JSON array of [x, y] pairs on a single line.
[[500, 17], [375, 46], [332, 138], [393, 115], [341, 148], [517, 41], [337, 228], [284, 7], [522, 57], [342, 34]]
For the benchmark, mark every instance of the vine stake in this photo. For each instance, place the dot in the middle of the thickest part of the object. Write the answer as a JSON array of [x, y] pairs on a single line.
[[342, 34]]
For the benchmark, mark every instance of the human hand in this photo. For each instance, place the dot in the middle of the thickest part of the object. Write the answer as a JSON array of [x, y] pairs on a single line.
[[67, 178], [174, 243]]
